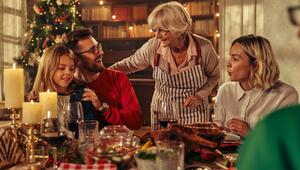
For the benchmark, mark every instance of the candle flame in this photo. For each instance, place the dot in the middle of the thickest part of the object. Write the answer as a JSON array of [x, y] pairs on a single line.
[[49, 114], [14, 65], [48, 91], [31, 101]]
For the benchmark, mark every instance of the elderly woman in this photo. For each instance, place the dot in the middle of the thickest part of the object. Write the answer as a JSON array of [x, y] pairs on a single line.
[[254, 89], [185, 65]]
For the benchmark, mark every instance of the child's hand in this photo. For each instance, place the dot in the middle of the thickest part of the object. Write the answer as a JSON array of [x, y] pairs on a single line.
[[90, 95]]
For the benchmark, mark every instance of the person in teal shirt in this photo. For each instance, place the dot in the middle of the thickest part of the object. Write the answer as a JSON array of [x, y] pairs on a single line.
[[275, 141]]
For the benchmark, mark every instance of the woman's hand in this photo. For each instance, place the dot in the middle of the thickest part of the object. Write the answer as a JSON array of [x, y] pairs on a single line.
[[90, 95], [192, 101], [238, 126]]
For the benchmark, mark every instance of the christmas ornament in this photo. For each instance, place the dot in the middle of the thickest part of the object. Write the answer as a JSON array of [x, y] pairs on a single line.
[[45, 42], [52, 10], [66, 2], [58, 20], [59, 2], [38, 10], [32, 25], [59, 38]]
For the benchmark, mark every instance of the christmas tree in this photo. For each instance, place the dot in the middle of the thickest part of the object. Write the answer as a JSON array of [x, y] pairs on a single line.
[[52, 21]]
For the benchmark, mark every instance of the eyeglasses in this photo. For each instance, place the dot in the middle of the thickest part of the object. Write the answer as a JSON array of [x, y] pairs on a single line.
[[160, 31], [294, 14], [96, 49]]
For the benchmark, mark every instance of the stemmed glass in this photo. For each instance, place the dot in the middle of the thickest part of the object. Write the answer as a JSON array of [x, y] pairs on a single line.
[[50, 131], [71, 114], [168, 112]]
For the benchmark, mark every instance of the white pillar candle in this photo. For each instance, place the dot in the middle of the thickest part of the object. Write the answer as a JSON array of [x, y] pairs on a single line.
[[32, 112], [49, 103], [14, 87]]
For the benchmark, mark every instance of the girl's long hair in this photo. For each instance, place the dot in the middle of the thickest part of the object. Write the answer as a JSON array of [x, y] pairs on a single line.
[[47, 66]]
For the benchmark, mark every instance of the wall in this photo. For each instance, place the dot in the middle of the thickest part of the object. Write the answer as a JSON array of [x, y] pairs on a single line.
[[283, 37], [263, 17]]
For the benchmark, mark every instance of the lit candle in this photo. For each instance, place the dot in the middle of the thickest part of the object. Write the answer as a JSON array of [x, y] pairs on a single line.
[[32, 112], [14, 87], [49, 103]]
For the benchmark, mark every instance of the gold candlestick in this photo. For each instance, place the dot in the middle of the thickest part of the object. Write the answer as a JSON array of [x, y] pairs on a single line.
[[31, 136], [16, 123]]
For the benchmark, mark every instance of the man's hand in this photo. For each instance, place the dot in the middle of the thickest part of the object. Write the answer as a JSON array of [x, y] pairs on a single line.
[[238, 126], [90, 95], [192, 101]]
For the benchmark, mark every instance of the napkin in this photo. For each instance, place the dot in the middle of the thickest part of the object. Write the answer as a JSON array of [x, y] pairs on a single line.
[[103, 166]]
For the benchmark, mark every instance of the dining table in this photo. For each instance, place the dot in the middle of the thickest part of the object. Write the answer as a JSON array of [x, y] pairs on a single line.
[[217, 164]]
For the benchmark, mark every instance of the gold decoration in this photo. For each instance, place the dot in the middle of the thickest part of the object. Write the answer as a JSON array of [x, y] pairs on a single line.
[[59, 38], [59, 2], [11, 152], [31, 135], [66, 2], [16, 123], [52, 10]]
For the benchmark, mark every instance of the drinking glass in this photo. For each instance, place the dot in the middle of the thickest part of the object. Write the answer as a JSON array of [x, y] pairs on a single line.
[[38, 156], [70, 113], [88, 131], [170, 155], [50, 131], [168, 112]]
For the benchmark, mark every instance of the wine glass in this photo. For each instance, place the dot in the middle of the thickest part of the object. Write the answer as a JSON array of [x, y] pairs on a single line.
[[50, 131], [168, 112], [71, 114]]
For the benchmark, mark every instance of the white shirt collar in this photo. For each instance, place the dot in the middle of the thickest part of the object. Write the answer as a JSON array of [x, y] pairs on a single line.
[[241, 92]]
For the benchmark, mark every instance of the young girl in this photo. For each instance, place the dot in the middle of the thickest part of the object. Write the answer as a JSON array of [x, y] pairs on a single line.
[[254, 89], [55, 72]]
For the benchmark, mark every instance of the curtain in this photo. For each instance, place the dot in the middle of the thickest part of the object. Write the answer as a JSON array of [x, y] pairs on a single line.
[[12, 28]]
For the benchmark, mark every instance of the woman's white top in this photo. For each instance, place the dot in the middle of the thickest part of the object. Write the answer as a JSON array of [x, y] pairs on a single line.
[[251, 106]]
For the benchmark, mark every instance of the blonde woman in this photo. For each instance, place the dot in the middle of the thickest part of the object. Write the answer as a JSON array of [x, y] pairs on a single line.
[[254, 89], [185, 65]]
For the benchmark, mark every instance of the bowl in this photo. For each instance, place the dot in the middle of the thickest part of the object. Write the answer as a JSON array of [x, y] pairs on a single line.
[[117, 144], [118, 137]]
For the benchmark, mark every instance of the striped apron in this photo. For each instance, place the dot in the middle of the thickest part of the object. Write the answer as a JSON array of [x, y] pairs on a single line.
[[178, 87]]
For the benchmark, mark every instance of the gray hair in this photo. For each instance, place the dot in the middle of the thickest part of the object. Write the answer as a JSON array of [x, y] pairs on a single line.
[[171, 16]]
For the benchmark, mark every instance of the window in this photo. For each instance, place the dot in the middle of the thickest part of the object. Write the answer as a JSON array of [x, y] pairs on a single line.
[[12, 27]]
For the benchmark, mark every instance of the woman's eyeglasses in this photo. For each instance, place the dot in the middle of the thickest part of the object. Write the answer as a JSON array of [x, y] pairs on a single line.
[[96, 49], [160, 31], [294, 14]]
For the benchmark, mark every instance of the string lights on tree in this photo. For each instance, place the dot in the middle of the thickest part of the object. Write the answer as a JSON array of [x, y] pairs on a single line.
[[53, 19]]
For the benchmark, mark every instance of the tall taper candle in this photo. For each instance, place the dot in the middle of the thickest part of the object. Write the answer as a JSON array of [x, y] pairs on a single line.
[[14, 87], [49, 103], [32, 112]]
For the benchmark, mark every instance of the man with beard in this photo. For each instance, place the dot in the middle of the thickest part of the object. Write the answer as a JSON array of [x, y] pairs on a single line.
[[110, 90]]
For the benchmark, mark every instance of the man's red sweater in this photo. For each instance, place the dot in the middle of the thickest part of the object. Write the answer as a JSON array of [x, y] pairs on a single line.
[[114, 88]]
